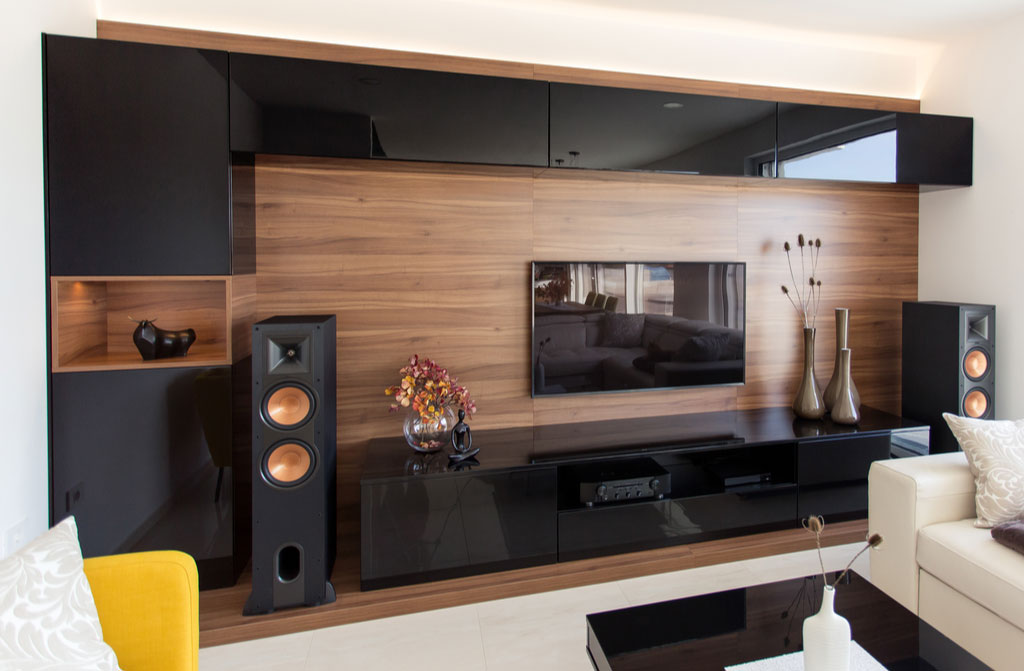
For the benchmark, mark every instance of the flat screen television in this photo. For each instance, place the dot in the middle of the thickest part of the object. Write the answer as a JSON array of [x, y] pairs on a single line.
[[605, 327]]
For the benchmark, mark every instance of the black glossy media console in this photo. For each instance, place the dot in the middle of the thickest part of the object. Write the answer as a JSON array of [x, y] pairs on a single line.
[[522, 502]]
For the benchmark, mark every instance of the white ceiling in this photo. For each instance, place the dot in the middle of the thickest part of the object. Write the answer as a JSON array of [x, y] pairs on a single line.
[[931, 20]]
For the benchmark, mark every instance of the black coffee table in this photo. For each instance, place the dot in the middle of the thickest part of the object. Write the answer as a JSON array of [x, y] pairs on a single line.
[[712, 631]]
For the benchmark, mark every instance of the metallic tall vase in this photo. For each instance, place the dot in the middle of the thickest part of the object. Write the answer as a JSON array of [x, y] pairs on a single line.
[[808, 403], [847, 407], [842, 340]]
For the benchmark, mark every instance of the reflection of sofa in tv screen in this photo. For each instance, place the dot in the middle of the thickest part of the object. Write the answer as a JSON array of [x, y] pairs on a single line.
[[601, 351]]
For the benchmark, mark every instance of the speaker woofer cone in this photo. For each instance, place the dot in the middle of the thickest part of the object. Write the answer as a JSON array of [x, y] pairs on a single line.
[[288, 463], [976, 363], [976, 403], [288, 406]]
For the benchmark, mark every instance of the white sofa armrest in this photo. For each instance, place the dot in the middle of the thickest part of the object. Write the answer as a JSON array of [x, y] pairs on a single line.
[[905, 495]]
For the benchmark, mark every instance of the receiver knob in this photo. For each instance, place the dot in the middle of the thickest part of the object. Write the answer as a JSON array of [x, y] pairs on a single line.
[[655, 485], [602, 491]]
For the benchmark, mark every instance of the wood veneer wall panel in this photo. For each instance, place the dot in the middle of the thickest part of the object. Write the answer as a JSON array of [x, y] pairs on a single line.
[[134, 32], [175, 305], [242, 302], [868, 264], [220, 610], [620, 216], [434, 259], [79, 318], [413, 259]]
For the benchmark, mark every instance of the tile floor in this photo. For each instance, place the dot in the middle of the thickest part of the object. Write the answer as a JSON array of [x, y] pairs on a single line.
[[539, 631]]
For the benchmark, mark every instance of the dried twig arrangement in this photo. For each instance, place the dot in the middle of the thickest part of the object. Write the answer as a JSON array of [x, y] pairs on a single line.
[[807, 300], [815, 524]]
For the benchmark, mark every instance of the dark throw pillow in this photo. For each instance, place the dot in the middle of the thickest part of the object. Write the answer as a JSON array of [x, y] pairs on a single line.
[[1010, 534], [709, 347], [655, 355], [621, 330]]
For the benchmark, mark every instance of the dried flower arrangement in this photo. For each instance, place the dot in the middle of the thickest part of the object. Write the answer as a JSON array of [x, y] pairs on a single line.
[[555, 290], [807, 301], [428, 389], [816, 524]]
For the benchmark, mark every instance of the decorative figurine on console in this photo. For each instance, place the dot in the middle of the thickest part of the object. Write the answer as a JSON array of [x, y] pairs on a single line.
[[154, 342], [462, 440]]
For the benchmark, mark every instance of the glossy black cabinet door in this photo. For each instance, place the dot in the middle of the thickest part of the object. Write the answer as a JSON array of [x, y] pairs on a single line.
[[934, 150], [136, 458], [319, 108], [833, 474], [137, 159], [428, 528], [626, 129], [841, 143]]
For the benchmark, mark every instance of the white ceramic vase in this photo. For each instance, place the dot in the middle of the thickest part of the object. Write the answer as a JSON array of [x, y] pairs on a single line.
[[827, 637]]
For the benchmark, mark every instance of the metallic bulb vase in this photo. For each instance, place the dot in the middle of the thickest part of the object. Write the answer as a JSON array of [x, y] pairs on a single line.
[[808, 403], [842, 340], [847, 407]]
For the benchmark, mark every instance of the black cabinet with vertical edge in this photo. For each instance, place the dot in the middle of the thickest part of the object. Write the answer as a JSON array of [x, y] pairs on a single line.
[[608, 128], [137, 162], [322, 108], [145, 460]]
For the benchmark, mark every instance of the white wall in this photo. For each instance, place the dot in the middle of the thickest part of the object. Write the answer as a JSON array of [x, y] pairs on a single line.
[[972, 239], [23, 454], [568, 33]]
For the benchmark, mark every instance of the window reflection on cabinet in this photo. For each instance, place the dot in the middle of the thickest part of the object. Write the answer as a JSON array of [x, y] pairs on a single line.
[[819, 142]]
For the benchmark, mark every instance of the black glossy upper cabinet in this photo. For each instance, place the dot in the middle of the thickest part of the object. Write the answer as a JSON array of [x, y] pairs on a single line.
[[626, 129], [320, 108], [137, 159], [820, 142]]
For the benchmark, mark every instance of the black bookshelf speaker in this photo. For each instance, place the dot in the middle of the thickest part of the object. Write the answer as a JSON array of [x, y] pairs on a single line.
[[294, 456], [949, 352]]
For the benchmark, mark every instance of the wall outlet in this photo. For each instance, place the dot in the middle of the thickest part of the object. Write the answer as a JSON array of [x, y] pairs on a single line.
[[73, 497], [15, 537]]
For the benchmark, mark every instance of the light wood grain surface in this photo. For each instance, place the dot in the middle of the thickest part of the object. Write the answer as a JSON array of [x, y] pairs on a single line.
[[253, 44], [93, 319], [435, 260], [220, 611]]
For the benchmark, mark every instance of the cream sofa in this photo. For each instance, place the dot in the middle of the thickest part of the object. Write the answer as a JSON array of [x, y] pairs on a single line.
[[937, 564]]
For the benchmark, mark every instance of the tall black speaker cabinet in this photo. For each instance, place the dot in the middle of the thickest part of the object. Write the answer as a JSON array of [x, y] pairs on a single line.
[[293, 462], [949, 354]]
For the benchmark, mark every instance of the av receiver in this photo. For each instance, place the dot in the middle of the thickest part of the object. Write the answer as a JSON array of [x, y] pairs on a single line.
[[621, 480]]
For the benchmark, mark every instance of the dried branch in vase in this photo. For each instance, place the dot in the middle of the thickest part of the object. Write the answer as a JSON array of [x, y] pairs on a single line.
[[816, 524], [806, 294]]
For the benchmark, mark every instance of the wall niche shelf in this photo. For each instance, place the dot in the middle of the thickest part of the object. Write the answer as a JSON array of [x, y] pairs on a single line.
[[92, 320]]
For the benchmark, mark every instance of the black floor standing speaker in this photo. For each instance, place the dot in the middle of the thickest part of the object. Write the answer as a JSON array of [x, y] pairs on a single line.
[[293, 462], [949, 355]]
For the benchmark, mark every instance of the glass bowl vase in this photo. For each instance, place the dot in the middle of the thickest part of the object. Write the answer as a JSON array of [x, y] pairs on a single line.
[[428, 435]]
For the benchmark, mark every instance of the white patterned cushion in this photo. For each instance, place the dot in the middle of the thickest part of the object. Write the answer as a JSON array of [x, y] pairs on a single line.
[[995, 453], [48, 618]]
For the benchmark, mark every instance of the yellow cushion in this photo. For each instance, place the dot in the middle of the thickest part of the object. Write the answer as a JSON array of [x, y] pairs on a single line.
[[148, 603]]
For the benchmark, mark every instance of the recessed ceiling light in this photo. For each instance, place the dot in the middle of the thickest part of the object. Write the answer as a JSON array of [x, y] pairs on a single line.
[[672, 106]]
